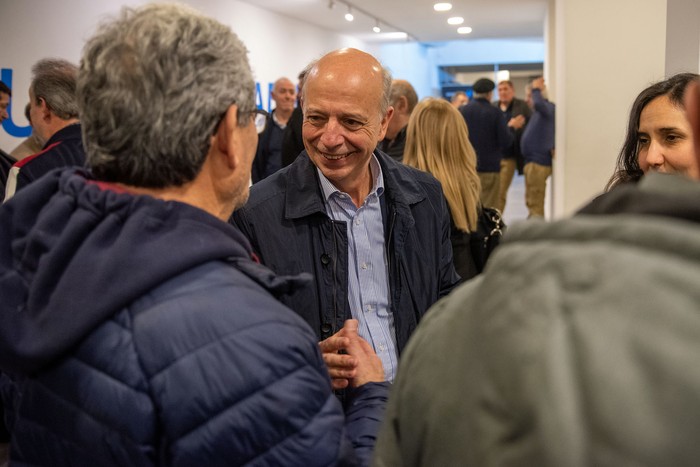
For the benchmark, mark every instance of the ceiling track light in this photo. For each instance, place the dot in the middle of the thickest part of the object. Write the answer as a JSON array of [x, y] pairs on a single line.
[[387, 30]]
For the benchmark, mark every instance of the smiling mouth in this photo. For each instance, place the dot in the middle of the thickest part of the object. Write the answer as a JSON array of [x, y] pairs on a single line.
[[334, 157]]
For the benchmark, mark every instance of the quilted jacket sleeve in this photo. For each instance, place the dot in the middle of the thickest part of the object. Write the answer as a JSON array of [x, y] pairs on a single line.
[[241, 380]]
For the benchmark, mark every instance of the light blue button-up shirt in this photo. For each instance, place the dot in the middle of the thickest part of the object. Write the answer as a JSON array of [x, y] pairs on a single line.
[[368, 272]]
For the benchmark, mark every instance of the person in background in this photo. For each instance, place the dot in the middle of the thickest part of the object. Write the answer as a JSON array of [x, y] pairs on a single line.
[[459, 99], [403, 100], [53, 109], [292, 142], [516, 112], [590, 358], [489, 134], [373, 233], [659, 137], [5, 96], [537, 146], [136, 327], [6, 161], [437, 142], [30, 145], [268, 157]]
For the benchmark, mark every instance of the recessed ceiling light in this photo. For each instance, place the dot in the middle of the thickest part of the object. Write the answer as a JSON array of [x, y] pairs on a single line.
[[442, 6], [464, 30], [395, 35], [455, 20]]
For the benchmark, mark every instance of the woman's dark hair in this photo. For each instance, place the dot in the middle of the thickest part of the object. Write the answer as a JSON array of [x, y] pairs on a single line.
[[627, 169]]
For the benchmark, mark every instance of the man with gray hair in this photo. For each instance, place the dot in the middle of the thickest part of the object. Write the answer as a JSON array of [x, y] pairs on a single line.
[[136, 328], [374, 233], [403, 99], [54, 115]]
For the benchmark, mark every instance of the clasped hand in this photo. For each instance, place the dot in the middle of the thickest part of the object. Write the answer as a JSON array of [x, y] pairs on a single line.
[[351, 361]]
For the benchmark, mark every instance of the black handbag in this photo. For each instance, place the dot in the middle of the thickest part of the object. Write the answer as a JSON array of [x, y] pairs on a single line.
[[489, 230]]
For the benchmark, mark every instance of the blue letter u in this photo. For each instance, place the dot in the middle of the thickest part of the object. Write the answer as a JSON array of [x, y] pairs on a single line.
[[9, 125]]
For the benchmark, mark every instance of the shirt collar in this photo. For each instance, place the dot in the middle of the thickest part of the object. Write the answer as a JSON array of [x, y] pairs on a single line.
[[274, 118], [377, 181]]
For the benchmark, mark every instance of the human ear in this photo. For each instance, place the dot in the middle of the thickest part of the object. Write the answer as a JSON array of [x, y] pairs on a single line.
[[224, 134], [385, 123], [402, 104]]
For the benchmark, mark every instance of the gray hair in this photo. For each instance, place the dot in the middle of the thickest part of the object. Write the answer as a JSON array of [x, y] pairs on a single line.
[[54, 81], [305, 74], [386, 94], [402, 88], [154, 85]]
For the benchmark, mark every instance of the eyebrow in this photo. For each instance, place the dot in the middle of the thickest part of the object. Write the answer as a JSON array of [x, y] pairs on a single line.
[[353, 115], [670, 130]]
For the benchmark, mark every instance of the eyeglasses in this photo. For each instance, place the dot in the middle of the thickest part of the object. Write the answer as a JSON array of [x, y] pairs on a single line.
[[260, 117]]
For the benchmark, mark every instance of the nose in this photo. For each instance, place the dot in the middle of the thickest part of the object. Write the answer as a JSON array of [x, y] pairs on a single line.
[[654, 155], [332, 135]]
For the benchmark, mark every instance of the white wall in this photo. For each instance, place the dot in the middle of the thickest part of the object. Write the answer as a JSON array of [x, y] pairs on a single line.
[[34, 29], [409, 61], [606, 53], [683, 36]]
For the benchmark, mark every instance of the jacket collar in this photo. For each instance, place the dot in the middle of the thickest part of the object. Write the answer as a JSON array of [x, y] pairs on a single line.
[[71, 131], [304, 196]]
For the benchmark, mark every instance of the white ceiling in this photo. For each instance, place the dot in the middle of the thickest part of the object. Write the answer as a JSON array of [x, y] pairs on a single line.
[[487, 18]]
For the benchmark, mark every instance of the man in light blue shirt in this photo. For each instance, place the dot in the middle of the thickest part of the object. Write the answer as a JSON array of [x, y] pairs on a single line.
[[368, 282], [373, 233]]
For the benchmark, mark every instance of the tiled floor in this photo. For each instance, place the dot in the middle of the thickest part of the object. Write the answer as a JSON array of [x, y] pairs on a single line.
[[515, 203]]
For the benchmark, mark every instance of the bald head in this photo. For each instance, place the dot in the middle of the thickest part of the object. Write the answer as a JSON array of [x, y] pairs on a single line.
[[284, 94], [346, 111], [356, 68]]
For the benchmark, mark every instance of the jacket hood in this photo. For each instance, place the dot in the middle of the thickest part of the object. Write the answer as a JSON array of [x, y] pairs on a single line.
[[74, 252], [656, 194]]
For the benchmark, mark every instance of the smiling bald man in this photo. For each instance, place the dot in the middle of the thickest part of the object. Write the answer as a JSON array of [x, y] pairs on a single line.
[[374, 233]]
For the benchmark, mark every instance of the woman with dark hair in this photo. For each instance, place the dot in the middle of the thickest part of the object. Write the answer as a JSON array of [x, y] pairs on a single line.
[[658, 137]]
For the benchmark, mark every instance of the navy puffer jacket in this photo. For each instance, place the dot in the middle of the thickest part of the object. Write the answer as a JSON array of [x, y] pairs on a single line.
[[135, 331]]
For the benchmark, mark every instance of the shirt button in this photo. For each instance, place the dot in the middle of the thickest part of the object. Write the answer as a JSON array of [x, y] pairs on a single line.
[[364, 266], [369, 308], [357, 221]]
